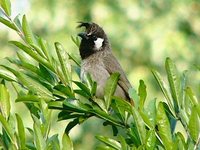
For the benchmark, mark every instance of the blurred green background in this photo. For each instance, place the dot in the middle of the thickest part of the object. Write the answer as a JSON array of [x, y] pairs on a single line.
[[142, 34]]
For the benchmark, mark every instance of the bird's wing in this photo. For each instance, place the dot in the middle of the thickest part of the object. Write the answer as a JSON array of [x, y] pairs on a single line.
[[112, 66]]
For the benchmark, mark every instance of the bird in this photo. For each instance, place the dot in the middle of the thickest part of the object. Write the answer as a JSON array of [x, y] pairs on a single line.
[[98, 60]]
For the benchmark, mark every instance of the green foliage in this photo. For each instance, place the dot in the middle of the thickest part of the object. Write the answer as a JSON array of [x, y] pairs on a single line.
[[111, 85], [6, 5], [46, 84], [4, 101]]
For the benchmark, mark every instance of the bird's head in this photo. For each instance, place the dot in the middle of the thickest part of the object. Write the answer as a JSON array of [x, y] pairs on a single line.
[[93, 39]]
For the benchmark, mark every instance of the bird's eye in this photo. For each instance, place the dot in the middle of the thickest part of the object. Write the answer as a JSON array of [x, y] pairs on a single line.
[[94, 37]]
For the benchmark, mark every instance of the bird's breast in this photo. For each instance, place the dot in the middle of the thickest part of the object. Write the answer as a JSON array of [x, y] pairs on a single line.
[[98, 73], [96, 69]]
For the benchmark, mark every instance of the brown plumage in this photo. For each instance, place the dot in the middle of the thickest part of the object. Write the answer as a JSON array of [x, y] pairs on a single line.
[[99, 62]]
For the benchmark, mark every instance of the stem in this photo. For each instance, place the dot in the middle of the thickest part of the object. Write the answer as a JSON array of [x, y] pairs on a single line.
[[5, 14], [157, 135], [19, 32], [184, 125], [196, 146]]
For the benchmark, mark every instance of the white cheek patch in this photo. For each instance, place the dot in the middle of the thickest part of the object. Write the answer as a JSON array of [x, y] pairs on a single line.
[[89, 33], [98, 43]]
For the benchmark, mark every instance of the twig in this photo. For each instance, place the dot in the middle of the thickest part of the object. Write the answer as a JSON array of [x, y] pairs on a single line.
[[20, 33]]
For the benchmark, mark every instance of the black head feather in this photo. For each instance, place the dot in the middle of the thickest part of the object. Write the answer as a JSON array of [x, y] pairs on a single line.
[[84, 24], [93, 32], [92, 28]]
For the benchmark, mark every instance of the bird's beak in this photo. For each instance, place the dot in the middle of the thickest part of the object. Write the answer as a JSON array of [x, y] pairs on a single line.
[[83, 35]]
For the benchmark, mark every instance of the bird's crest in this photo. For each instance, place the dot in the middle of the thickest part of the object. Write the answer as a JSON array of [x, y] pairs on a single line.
[[84, 24], [90, 27]]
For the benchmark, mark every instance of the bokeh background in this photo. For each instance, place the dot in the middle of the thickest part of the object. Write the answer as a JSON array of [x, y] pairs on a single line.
[[142, 34]]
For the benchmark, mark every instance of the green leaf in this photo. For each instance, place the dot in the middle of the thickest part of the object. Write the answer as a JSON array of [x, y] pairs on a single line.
[[74, 106], [146, 119], [163, 88], [18, 22], [76, 41], [100, 103], [53, 143], [5, 138], [64, 63], [150, 110], [23, 57], [65, 90], [92, 85], [4, 101], [66, 142], [110, 142], [38, 137], [82, 93], [123, 104], [123, 143], [194, 124], [103, 147], [47, 75], [109, 90], [150, 140], [94, 88], [32, 84], [34, 55], [71, 125], [142, 93], [191, 95], [182, 89], [133, 94], [55, 105], [7, 128], [64, 115], [23, 63], [139, 124], [8, 23], [21, 132], [164, 127], [101, 114], [28, 98], [59, 94], [38, 50], [134, 135], [44, 46], [6, 5], [174, 82], [172, 120], [187, 104], [119, 111], [180, 141], [46, 115], [31, 132], [83, 87], [184, 115], [74, 59], [27, 31], [7, 75]]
